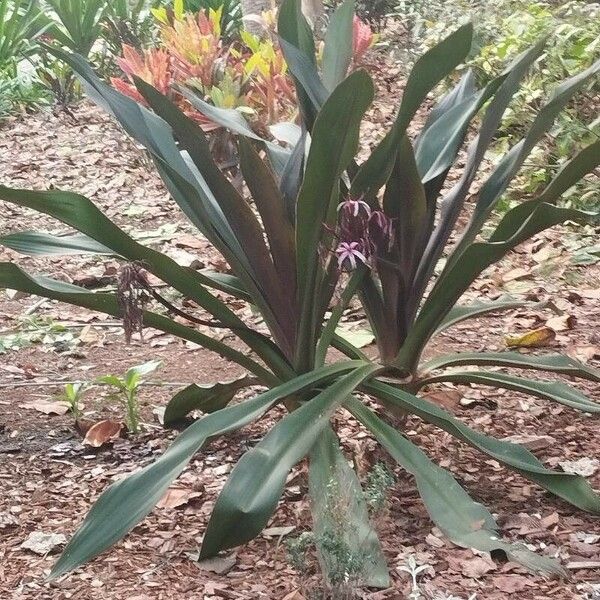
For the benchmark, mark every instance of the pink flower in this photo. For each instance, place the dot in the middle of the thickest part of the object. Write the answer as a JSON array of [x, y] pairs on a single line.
[[349, 254]]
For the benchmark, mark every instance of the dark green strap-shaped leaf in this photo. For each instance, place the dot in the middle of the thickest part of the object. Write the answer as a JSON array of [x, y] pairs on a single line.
[[305, 74], [337, 51], [466, 522], [291, 177], [206, 398], [293, 29], [339, 509], [263, 286], [438, 145], [507, 168], [334, 144], [348, 349], [234, 207], [271, 207], [463, 90], [256, 483], [37, 243], [429, 70], [461, 312], [80, 213], [572, 488], [126, 502], [553, 363], [559, 392], [12, 277], [452, 203], [465, 270]]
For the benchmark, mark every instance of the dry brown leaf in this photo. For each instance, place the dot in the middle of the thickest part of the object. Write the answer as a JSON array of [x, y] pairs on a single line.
[[49, 407], [561, 322], [102, 433], [294, 595], [509, 584], [177, 496], [476, 567], [186, 240], [448, 399], [514, 274], [593, 294], [584, 353], [531, 339]]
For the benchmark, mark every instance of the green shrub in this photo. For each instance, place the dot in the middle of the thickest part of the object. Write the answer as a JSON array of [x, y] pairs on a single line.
[[319, 222]]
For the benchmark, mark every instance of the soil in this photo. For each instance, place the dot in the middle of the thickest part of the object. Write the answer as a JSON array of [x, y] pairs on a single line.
[[49, 479]]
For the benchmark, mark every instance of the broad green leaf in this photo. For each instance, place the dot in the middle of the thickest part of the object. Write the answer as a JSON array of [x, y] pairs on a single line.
[[127, 501], [569, 174], [256, 483], [12, 277], [405, 202], [337, 51], [559, 392], [477, 257], [338, 509], [334, 144], [463, 90], [572, 488], [461, 312], [291, 176], [429, 70], [467, 523], [553, 363], [207, 398], [36, 243]]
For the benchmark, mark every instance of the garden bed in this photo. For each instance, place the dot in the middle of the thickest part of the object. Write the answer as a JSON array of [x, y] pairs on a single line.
[[49, 480]]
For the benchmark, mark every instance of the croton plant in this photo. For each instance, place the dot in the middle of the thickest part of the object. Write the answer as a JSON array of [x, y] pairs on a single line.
[[315, 228]]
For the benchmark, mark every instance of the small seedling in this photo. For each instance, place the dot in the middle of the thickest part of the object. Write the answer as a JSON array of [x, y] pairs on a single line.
[[413, 570], [127, 388], [72, 395]]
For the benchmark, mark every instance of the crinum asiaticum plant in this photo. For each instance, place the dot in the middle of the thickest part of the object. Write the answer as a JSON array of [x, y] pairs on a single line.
[[316, 213]]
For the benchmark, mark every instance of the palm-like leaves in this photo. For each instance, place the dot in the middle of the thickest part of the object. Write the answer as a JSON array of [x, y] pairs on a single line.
[[280, 253]]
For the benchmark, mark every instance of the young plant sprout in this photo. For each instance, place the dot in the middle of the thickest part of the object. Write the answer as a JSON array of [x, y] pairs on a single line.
[[72, 394], [127, 388]]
